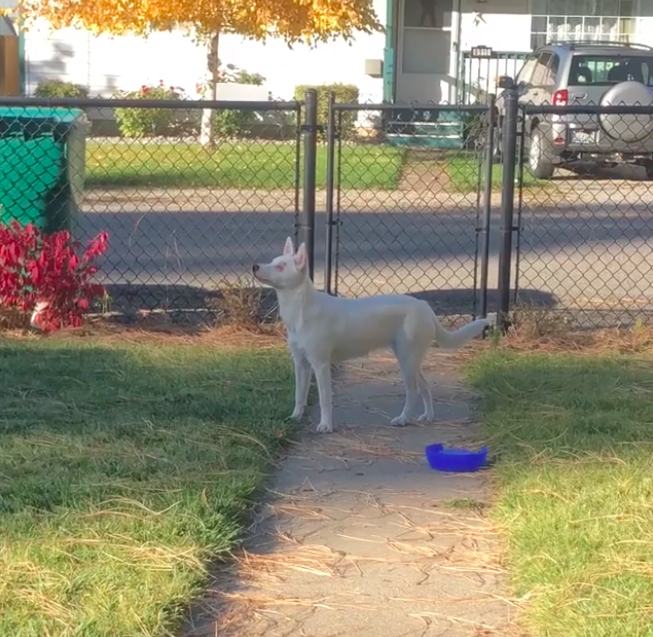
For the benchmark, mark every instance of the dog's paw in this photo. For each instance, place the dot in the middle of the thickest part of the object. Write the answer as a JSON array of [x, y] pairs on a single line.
[[399, 421], [297, 415], [324, 428], [425, 419]]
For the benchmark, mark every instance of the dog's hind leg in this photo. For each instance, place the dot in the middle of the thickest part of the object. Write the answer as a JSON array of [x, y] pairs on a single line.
[[409, 364], [427, 398]]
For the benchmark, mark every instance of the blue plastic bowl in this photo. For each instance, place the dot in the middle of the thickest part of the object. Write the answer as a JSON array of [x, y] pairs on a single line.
[[455, 459]]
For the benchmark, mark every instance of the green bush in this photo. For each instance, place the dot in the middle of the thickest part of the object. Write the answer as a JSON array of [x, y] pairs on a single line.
[[344, 93], [233, 123], [57, 88], [149, 122]]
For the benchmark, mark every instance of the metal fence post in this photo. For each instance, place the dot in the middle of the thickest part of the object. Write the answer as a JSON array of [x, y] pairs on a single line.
[[330, 184], [487, 199], [310, 165], [508, 152]]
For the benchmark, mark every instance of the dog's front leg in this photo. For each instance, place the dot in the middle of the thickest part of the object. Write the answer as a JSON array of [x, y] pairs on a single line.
[[302, 383], [322, 371]]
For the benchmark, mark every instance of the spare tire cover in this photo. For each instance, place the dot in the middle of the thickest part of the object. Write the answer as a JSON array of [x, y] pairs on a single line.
[[627, 127]]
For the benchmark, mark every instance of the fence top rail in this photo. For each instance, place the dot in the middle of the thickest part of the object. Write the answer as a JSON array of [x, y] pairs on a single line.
[[102, 102], [588, 109], [471, 108]]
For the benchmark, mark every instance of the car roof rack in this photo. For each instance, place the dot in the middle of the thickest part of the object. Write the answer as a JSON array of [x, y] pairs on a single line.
[[600, 43]]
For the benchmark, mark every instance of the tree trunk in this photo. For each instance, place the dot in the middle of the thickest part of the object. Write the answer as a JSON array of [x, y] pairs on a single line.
[[207, 136]]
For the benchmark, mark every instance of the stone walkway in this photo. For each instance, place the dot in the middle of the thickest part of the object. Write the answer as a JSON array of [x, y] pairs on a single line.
[[360, 538]]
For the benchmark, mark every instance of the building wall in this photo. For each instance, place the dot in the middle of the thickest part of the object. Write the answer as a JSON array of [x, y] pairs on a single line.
[[644, 30], [106, 64], [504, 25]]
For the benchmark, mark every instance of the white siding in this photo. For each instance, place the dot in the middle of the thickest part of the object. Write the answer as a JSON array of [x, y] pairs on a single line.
[[644, 31], [106, 64]]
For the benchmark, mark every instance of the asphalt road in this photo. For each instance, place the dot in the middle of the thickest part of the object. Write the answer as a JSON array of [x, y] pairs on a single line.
[[588, 256]]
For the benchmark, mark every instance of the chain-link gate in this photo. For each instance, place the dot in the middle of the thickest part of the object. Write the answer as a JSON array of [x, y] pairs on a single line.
[[409, 210]]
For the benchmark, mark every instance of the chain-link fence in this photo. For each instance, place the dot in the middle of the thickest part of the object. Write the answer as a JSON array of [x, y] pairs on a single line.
[[585, 219], [406, 213], [396, 199], [191, 196]]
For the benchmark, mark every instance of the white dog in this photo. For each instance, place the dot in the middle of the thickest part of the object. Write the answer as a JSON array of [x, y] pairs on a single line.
[[324, 329]]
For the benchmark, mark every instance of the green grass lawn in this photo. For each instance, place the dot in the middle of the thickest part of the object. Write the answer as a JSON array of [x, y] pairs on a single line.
[[574, 436], [232, 164], [463, 171], [123, 469]]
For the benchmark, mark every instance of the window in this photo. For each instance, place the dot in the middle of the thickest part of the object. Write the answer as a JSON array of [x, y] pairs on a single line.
[[426, 36], [582, 20], [551, 71], [526, 71], [540, 71], [604, 70], [7, 27], [545, 70], [427, 14], [422, 53]]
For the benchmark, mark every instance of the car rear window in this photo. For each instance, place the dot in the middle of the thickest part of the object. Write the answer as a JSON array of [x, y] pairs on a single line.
[[603, 70]]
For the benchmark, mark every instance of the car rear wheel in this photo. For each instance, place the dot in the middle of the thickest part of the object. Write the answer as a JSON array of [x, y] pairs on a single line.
[[540, 157]]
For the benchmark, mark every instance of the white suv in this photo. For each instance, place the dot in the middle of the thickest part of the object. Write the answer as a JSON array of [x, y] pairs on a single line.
[[602, 74]]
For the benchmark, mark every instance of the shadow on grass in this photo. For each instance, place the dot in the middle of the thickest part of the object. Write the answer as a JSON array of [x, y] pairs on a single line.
[[124, 468], [565, 404]]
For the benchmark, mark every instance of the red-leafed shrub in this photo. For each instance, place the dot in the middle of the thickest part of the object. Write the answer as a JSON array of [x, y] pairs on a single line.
[[49, 270]]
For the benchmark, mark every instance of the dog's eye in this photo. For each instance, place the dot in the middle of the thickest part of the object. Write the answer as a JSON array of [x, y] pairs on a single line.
[[280, 267]]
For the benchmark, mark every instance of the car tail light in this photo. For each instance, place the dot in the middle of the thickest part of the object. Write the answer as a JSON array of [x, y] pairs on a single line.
[[561, 97]]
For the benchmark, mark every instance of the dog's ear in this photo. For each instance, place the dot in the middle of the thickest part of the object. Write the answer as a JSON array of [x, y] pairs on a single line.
[[300, 257], [288, 249]]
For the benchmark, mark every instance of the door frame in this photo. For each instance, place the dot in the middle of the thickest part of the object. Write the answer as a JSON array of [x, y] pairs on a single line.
[[393, 52]]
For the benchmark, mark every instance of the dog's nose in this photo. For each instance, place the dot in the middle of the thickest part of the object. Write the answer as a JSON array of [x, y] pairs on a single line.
[[255, 267]]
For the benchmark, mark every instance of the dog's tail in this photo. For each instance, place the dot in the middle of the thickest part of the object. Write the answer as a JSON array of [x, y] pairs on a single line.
[[458, 338]]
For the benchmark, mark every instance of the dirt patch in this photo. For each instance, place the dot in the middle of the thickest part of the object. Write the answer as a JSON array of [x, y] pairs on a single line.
[[604, 341], [424, 171], [159, 331], [636, 340]]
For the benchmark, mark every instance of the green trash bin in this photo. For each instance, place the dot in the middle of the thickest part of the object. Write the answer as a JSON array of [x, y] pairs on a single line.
[[41, 165]]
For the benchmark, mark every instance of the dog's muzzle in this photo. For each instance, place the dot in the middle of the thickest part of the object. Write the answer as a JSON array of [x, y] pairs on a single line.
[[255, 268]]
